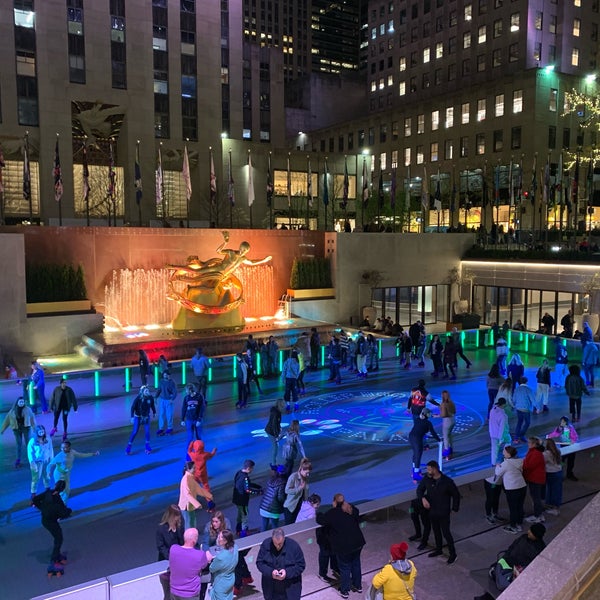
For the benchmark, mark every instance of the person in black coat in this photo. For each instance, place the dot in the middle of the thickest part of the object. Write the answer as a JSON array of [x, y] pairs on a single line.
[[422, 426], [169, 533], [53, 508], [281, 563], [439, 494], [526, 547], [342, 523]]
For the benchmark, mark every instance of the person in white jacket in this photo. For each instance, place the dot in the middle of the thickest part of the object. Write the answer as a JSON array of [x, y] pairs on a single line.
[[515, 488], [499, 429], [39, 453]]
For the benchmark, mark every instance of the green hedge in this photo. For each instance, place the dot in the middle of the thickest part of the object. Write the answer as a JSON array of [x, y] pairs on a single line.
[[310, 273], [54, 283]]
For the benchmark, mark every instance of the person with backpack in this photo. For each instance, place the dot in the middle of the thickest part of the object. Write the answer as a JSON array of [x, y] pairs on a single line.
[[419, 396], [292, 446], [397, 578], [273, 427], [543, 388]]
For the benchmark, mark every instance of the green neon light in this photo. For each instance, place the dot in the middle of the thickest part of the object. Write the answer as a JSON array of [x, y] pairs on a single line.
[[544, 345], [526, 343], [156, 376], [183, 373], [379, 349], [509, 339], [233, 364], [280, 360], [96, 383], [258, 365], [127, 379], [210, 371], [322, 356]]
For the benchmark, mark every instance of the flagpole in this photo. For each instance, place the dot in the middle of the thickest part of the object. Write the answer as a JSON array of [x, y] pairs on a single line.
[[187, 175], [270, 192], [138, 182], [250, 185], [58, 182], [86, 182], [289, 191], [1, 187], [27, 177], [308, 191], [230, 193]]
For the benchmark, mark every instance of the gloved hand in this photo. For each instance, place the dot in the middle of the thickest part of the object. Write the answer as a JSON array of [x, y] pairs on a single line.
[[183, 423]]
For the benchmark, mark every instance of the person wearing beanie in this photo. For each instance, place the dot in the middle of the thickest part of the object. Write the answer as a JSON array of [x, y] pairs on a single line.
[[397, 578], [526, 547]]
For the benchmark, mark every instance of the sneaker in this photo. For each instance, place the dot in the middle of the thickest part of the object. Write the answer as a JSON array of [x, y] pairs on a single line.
[[422, 546], [510, 529], [247, 580], [52, 431], [498, 517], [128, 449], [490, 519], [518, 528], [452, 558], [414, 538], [546, 409], [160, 432], [357, 590], [572, 477], [324, 578], [169, 431], [435, 553], [552, 511], [534, 519], [344, 594]]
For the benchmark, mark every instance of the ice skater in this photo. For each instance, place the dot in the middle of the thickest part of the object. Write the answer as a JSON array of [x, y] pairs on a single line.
[[20, 419], [144, 363], [63, 400], [420, 429], [39, 453], [62, 464], [192, 413], [140, 415], [199, 456], [38, 381], [167, 392]]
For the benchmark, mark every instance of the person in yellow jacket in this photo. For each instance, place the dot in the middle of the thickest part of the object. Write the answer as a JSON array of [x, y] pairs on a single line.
[[397, 578]]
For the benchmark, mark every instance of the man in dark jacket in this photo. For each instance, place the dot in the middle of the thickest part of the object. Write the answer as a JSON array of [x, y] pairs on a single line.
[[439, 495], [63, 400], [53, 508], [281, 563]]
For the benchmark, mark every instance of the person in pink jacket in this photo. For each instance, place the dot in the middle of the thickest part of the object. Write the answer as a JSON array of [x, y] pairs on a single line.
[[565, 435]]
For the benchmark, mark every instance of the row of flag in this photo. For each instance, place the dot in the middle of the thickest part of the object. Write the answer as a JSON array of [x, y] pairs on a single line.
[[560, 189]]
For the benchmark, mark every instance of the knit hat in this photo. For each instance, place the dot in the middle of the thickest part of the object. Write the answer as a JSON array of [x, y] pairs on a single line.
[[538, 530], [398, 551]]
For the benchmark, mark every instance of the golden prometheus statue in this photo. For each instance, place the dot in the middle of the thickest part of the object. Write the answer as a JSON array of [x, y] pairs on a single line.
[[211, 295]]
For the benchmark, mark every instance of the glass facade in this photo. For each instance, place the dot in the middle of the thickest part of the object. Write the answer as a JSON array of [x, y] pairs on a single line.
[[407, 304]]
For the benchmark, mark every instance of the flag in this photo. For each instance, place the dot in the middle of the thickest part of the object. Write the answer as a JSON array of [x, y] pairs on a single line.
[[58, 184], [250, 181], [408, 184], [533, 180], [575, 183], [546, 190], [365, 183], [559, 178], [497, 184], [269, 184], [213, 179], [437, 198], [519, 184], [511, 185], [325, 185], [393, 189], [86, 176], [26, 171], [590, 180], [230, 188], [453, 196], [425, 189], [159, 180], [185, 172], [137, 176], [289, 183], [380, 194], [346, 185], [111, 190], [484, 191], [309, 192], [2, 164]]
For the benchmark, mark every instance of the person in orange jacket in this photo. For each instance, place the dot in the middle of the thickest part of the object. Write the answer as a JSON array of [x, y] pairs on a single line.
[[199, 456]]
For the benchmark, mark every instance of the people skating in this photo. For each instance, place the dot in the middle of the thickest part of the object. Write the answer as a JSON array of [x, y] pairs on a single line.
[[492, 383], [243, 489], [501, 354], [315, 348], [243, 382], [335, 360], [292, 446], [449, 357], [542, 392], [347, 541], [575, 388], [419, 396], [281, 563], [361, 354], [141, 408], [515, 488], [52, 507], [372, 353], [448, 414], [62, 401], [589, 360], [564, 435], [273, 428], [515, 369], [289, 374], [301, 386], [144, 365], [554, 478], [168, 533], [61, 466], [435, 352], [534, 473], [189, 492], [185, 565], [397, 578], [297, 490], [21, 420], [38, 382], [199, 456], [271, 505], [561, 358], [523, 400], [271, 356], [166, 394], [192, 413], [222, 567], [405, 347], [250, 358], [456, 336], [506, 391], [200, 366], [440, 496], [499, 430], [421, 428], [39, 454], [492, 486], [164, 366]]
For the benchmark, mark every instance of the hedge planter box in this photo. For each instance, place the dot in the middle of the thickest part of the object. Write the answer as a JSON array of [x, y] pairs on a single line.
[[312, 294], [67, 306]]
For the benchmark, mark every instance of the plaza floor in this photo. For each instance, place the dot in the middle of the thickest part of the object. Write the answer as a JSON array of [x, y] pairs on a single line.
[[355, 434]]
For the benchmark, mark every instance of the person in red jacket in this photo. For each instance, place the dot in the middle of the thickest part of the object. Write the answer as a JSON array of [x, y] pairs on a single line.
[[534, 472], [199, 456]]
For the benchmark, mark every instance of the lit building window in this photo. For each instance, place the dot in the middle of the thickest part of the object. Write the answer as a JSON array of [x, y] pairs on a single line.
[[439, 50], [394, 159], [402, 64], [407, 127], [434, 152], [381, 83], [480, 144], [373, 86], [553, 24], [407, 154], [390, 80], [498, 28], [464, 113], [517, 101], [576, 27], [426, 55], [499, 105], [374, 33], [575, 57], [482, 34], [449, 117], [537, 51], [420, 155], [448, 149], [435, 120], [539, 18], [515, 21], [467, 40], [420, 124], [402, 88], [468, 12], [553, 103], [481, 109]]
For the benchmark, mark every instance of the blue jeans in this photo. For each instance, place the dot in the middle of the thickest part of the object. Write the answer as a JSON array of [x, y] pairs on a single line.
[[165, 413], [194, 432], [350, 570], [136, 428], [291, 387], [269, 523], [554, 482], [523, 421]]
